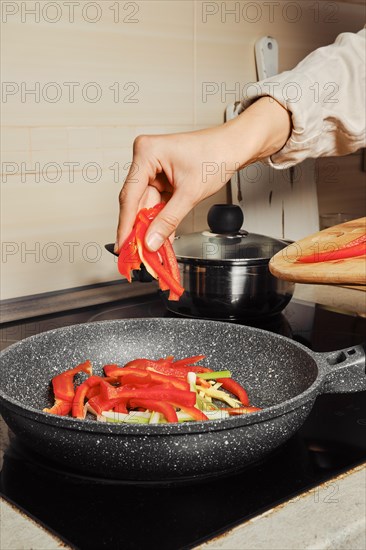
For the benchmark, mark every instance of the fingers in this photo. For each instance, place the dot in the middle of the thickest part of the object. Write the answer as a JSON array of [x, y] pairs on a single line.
[[167, 220], [131, 194]]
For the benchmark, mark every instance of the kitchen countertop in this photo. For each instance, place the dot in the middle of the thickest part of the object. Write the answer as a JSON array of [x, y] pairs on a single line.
[[337, 297], [331, 516], [346, 299]]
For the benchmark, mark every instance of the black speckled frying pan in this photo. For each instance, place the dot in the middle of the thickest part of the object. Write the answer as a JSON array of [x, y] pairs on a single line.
[[281, 376]]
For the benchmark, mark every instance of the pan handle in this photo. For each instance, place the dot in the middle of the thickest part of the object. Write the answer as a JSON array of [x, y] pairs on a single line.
[[344, 370]]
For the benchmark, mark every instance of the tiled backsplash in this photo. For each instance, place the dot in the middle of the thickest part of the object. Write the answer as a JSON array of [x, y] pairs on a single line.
[[80, 83]]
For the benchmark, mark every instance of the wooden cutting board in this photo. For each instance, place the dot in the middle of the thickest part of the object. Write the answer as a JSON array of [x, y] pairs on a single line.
[[348, 271]]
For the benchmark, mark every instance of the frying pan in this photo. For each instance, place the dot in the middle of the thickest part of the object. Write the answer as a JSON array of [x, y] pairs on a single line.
[[281, 376]]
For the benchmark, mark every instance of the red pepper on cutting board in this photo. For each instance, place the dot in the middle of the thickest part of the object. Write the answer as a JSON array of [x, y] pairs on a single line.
[[352, 249]]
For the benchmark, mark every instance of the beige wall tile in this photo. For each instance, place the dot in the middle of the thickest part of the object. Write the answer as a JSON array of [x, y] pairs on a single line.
[[58, 158], [117, 136], [166, 129], [86, 156], [15, 139], [49, 138], [126, 63], [77, 213], [84, 138], [14, 162]]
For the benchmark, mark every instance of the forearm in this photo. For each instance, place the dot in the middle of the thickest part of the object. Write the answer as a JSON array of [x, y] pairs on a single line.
[[258, 132], [325, 95]]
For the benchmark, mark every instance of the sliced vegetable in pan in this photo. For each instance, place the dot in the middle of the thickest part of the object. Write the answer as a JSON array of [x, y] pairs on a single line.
[[151, 391]]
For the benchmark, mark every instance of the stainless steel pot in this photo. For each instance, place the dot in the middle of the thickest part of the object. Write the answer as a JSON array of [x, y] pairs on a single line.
[[225, 272]]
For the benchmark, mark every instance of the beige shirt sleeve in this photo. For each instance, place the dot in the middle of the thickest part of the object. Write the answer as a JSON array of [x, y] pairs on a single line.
[[325, 94]]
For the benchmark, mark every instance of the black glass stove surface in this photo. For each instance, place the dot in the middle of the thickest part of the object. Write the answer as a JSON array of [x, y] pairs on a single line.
[[93, 513]]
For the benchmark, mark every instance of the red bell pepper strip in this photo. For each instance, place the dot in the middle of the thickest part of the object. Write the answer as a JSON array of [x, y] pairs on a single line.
[[153, 265], [122, 372], [169, 261], [135, 363], [327, 256], [92, 392], [240, 410], [121, 407], [97, 404], [93, 382], [235, 388], [158, 406], [128, 258], [158, 392], [61, 407], [135, 376], [105, 401], [180, 373], [63, 388], [189, 360], [144, 363], [171, 380], [63, 384], [196, 414], [358, 240]]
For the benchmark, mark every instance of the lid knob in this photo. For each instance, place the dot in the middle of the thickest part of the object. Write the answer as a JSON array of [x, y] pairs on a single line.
[[225, 218]]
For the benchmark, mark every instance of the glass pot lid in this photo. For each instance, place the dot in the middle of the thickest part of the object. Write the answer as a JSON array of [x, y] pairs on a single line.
[[225, 242]]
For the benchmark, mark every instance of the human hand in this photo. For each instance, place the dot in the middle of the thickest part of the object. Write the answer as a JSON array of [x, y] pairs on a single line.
[[184, 169]]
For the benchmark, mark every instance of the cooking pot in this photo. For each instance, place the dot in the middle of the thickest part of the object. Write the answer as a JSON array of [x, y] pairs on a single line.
[[225, 271], [281, 376]]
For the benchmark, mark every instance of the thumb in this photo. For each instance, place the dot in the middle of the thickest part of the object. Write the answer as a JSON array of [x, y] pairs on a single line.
[[167, 221]]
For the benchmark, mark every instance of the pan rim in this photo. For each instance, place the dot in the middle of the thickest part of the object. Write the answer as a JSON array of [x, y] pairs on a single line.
[[93, 426]]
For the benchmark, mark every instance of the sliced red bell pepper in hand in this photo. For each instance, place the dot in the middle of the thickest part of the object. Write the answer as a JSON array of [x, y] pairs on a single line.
[[169, 261], [154, 266], [162, 265], [128, 258]]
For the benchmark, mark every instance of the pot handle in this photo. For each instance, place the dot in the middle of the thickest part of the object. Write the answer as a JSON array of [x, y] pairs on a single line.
[[141, 275], [344, 370]]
